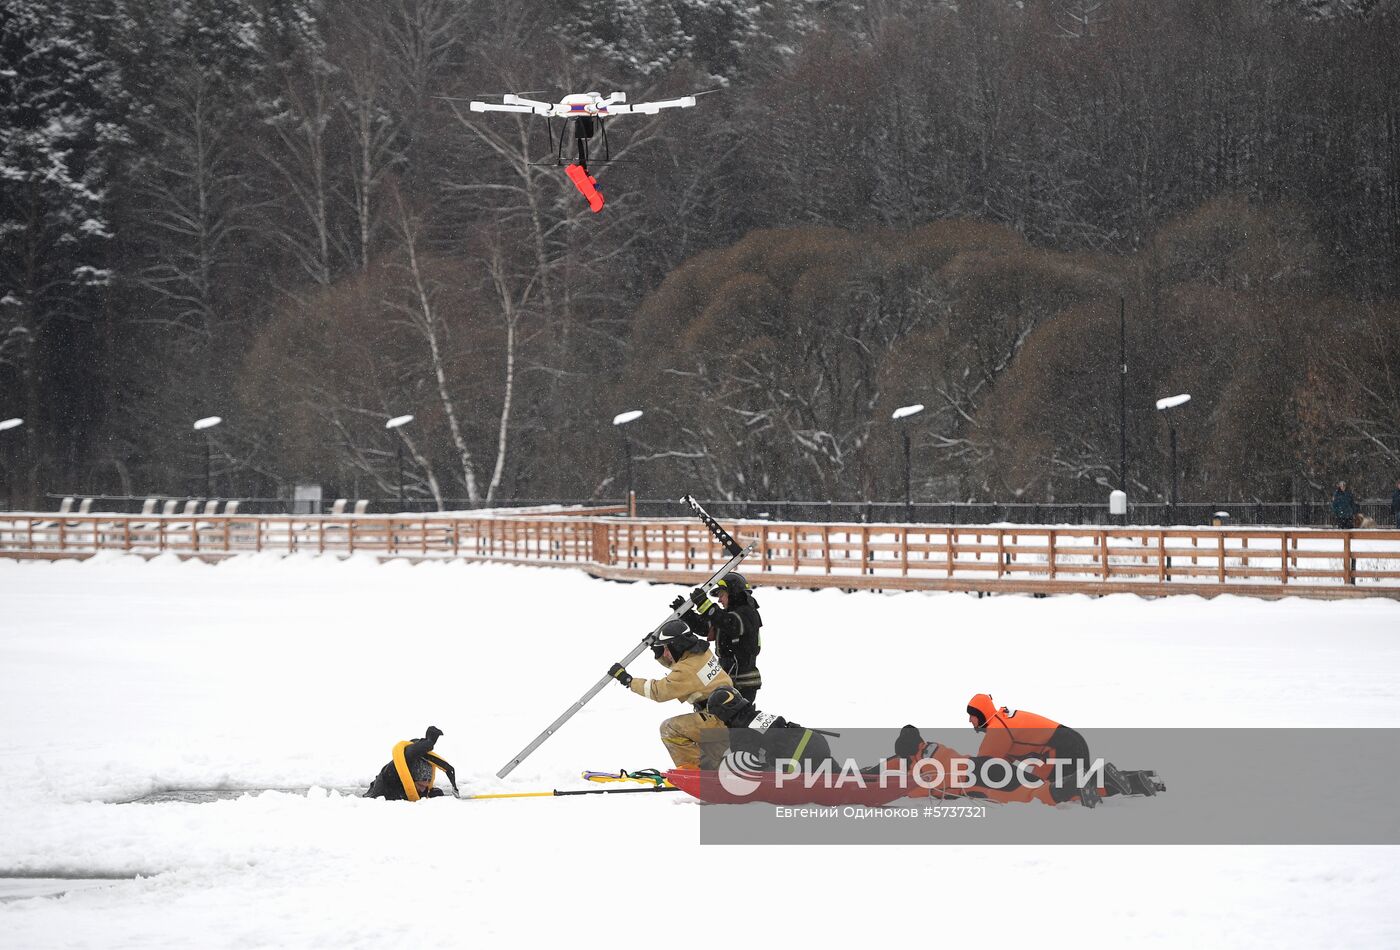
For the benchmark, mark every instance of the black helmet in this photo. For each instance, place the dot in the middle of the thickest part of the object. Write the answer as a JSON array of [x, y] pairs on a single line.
[[728, 706], [421, 770], [678, 637], [736, 584]]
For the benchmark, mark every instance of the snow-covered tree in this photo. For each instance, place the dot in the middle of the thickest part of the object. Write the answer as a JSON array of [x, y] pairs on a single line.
[[651, 37], [59, 125]]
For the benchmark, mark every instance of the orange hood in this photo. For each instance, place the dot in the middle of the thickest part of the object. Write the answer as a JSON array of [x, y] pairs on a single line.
[[982, 706]]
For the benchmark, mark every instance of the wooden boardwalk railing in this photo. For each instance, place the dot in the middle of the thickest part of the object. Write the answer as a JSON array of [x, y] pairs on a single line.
[[1061, 559]]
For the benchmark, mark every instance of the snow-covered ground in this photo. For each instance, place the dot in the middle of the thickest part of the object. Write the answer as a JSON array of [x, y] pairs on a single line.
[[121, 677]]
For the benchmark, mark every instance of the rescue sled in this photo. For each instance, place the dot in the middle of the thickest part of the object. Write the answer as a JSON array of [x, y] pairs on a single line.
[[870, 789]]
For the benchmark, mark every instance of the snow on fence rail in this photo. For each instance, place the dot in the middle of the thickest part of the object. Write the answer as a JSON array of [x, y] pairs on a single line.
[[1006, 558]]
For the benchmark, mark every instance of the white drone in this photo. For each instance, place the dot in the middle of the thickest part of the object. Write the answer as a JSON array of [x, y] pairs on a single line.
[[588, 112], [585, 104]]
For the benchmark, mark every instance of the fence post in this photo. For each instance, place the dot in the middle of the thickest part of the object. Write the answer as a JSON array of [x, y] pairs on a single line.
[[1348, 565], [599, 551]]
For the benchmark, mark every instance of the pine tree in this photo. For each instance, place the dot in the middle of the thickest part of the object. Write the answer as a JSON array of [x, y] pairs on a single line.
[[59, 126]]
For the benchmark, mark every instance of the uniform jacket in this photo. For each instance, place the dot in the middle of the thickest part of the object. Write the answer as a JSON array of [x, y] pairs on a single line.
[[1017, 734], [691, 679], [1012, 734], [736, 638], [767, 738]]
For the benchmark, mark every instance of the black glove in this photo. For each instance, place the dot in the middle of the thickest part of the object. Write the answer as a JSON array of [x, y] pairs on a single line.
[[698, 596], [907, 745], [619, 672], [676, 604], [433, 733]]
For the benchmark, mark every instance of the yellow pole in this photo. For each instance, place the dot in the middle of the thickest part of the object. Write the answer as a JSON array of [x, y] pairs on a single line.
[[514, 795]]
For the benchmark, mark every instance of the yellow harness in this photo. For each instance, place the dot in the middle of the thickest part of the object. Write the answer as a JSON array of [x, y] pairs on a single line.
[[410, 790]]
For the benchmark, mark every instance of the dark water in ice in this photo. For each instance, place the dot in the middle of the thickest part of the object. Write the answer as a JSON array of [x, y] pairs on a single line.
[[47, 884]]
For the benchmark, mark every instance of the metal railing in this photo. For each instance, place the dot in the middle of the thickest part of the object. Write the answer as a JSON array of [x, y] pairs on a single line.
[[1260, 513], [133, 504], [1314, 513]]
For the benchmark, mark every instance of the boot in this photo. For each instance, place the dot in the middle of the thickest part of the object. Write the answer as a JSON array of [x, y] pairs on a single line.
[[1146, 783], [1115, 781]]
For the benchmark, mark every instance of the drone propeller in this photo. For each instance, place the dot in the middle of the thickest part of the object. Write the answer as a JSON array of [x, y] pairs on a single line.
[[492, 95]]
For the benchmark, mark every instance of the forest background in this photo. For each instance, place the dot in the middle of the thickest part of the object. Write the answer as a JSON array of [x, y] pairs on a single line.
[[282, 213]]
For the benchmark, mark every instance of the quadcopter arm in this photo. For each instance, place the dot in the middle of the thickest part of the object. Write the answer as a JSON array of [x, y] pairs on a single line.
[[514, 100], [513, 103], [497, 107], [651, 108]]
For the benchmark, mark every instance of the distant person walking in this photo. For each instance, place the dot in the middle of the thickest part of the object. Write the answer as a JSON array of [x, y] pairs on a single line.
[[1395, 503], [1344, 506]]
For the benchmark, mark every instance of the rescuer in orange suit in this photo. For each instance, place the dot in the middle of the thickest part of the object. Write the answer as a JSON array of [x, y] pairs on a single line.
[[913, 751], [1013, 735]]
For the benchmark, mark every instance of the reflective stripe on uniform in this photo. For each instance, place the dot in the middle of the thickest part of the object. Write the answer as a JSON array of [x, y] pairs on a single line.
[[802, 746]]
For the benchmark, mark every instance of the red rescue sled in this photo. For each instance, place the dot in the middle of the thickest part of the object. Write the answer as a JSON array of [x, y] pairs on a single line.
[[585, 183], [765, 787]]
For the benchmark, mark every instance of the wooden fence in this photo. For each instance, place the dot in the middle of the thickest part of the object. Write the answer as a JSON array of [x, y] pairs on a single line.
[[1063, 559]]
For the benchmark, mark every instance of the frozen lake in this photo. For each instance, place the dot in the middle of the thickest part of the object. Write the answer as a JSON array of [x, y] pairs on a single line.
[[125, 678]]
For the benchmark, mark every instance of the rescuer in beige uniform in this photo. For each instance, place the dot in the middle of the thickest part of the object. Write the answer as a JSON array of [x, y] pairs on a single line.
[[694, 674]]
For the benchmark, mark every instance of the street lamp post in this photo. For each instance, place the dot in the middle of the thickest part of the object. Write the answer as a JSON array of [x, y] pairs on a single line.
[[10, 464], [1166, 404], [904, 412], [394, 423], [621, 420], [208, 422]]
